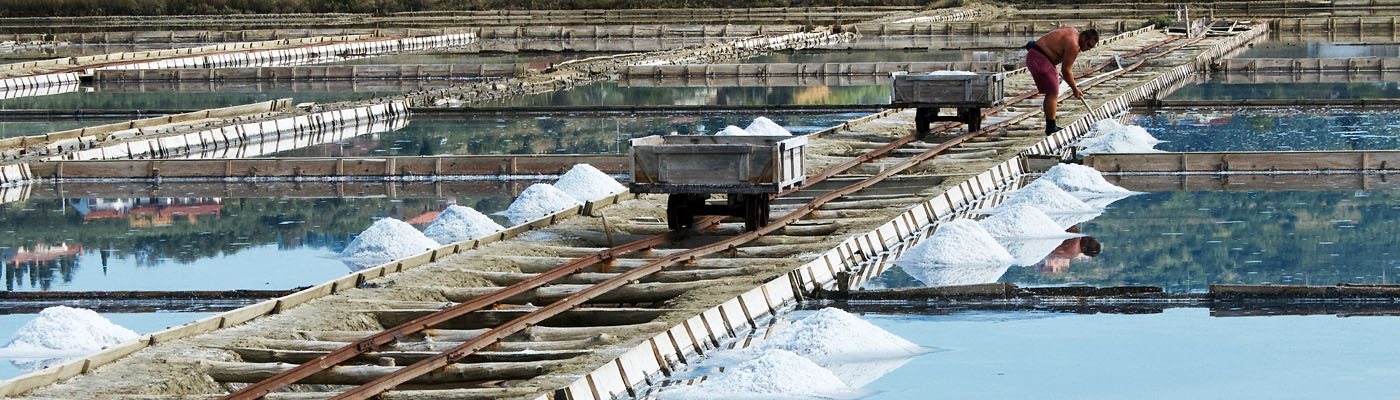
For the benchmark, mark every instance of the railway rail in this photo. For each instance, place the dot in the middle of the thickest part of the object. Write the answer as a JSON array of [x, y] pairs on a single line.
[[682, 261]]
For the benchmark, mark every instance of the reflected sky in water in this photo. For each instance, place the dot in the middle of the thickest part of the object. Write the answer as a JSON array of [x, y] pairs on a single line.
[[1185, 241], [1259, 130], [1180, 353], [607, 134], [141, 323], [124, 241]]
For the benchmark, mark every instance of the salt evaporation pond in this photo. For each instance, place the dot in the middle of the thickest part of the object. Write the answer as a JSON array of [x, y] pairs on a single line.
[[608, 134], [612, 94], [1242, 87], [1255, 130], [1319, 49], [28, 128], [142, 323], [1179, 353], [866, 56], [1185, 241], [91, 237]]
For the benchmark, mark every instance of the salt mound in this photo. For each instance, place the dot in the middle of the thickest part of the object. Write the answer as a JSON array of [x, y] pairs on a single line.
[[1080, 179], [855, 350], [458, 223], [1026, 232], [951, 72], [1110, 136], [539, 200], [386, 240], [1062, 207], [62, 330], [960, 252], [762, 126], [733, 131], [773, 374], [586, 183]]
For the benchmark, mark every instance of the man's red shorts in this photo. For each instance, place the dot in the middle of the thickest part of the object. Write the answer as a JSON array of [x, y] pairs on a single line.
[[1043, 71]]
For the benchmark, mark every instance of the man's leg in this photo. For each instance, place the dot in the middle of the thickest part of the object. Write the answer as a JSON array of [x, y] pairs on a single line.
[[1050, 105]]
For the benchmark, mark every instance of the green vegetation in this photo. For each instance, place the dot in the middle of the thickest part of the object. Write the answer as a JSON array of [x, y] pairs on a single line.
[[1162, 21], [48, 8]]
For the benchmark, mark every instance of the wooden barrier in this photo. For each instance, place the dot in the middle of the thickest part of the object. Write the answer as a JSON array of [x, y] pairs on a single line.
[[1305, 65], [1260, 161], [378, 167], [88, 137], [1264, 181], [805, 69], [330, 72]]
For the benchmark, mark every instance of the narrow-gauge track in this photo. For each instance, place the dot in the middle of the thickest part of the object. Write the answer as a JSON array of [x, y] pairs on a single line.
[[567, 287]]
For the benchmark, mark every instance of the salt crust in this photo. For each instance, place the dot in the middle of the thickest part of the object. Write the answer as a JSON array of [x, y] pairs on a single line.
[[774, 374], [1079, 180], [762, 126], [951, 72], [960, 252], [733, 131], [1064, 208], [386, 240], [1111, 136], [854, 349], [65, 331], [1026, 232], [539, 200], [586, 183], [459, 223]]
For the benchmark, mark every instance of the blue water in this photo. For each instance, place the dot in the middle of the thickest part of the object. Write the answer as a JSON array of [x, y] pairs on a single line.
[[1180, 353], [1255, 130]]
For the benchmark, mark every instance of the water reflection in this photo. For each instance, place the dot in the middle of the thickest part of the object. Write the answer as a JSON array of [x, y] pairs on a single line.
[[1263, 86], [202, 241], [611, 94], [1277, 130], [606, 134], [1076, 249], [1311, 49], [862, 56]]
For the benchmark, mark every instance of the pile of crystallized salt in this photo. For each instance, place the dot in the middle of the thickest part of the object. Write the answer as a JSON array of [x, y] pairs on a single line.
[[1026, 232], [62, 330], [586, 183], [1080, 180], [458, 223], [733, 131], [960, 252], [1064, 208], [773, 374], [386, 240], [537, 201], [951, 72], [1111, 136], [855, 350], [762, 126]]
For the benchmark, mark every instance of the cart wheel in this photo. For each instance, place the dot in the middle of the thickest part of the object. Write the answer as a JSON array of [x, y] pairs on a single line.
[[763, 205], [922, 118], [679, 214], [755, 211], [973, 118]]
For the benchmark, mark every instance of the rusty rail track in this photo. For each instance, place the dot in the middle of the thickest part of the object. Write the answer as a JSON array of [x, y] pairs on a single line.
[[496, 334]]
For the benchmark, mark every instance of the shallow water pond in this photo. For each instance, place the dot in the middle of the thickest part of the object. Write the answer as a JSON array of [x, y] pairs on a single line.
[[1278, 130], [1179, 353], [612, 94], [1185, 241], [1240, 87], [1318, 49], [198, 237]]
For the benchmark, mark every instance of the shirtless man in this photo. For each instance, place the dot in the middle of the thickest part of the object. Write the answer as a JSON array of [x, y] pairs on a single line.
[[1060, 46]]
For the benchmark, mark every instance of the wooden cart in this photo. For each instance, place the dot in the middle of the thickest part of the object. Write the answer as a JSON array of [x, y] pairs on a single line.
[[690, 168], [968, 93]]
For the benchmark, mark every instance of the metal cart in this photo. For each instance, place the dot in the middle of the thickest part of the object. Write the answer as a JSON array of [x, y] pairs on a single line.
[[968, 93], [690, 168]]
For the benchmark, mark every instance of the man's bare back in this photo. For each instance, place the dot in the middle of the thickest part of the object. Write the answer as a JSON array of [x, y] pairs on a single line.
[[1061, 44]]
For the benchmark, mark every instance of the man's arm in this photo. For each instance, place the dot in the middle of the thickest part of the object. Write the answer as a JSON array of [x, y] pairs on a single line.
[[1067, 69]]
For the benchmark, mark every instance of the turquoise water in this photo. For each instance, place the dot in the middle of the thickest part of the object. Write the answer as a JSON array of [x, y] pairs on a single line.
[[1279, 130], [1179, 353], [1185, 241]]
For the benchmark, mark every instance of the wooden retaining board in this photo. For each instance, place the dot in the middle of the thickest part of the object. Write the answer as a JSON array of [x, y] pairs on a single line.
[[327, 167], [1255, 182], [1262, 161]]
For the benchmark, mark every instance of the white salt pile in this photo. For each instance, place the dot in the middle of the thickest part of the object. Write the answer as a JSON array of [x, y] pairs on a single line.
[[762, 126], [960, 252], [539, 200], [1080, 180], [1111, 136], [1026, 232], [951, 72], [65, 331], [1064, 208], [458, 223], [586, 183], [386, 240], [855, 350], [774, 374], [733, 131]]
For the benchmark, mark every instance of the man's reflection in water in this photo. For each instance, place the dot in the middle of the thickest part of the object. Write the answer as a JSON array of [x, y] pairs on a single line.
[[1079, 248]]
